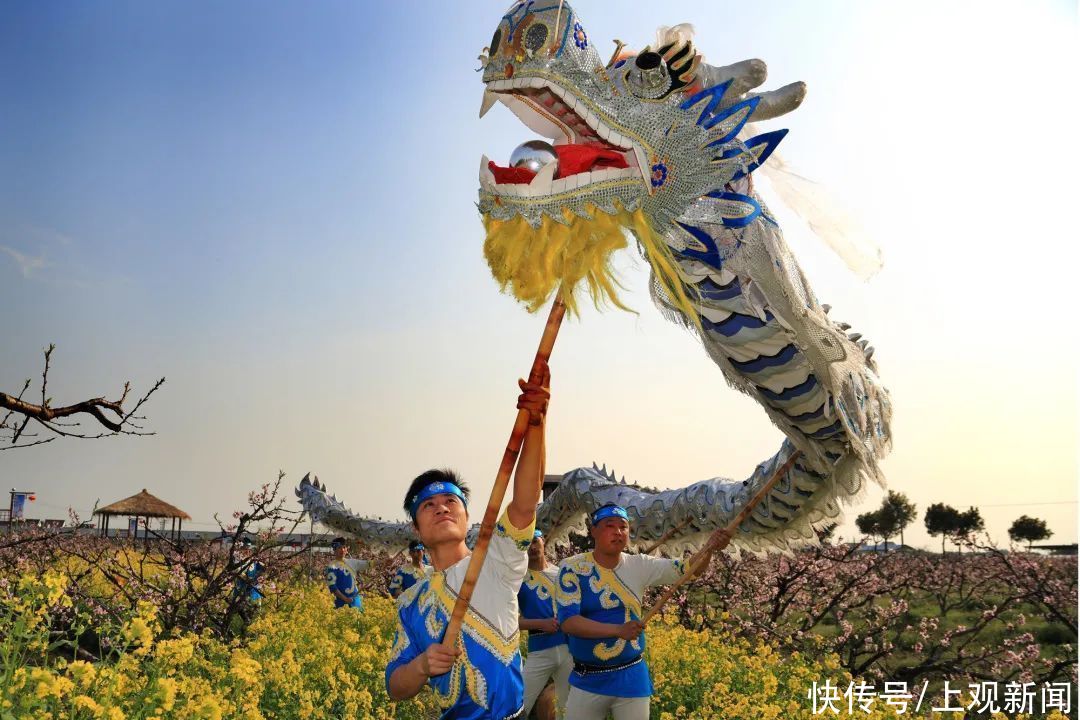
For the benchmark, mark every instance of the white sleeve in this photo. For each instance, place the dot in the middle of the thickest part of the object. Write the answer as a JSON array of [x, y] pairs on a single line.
[[508, 557], [644, 571], [663, 571]]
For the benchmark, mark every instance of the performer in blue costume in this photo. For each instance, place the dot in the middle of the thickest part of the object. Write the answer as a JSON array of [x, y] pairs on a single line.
[[250, 577], [409, 574], [549, 657], [599, 602], [480, 677], [340, 578]]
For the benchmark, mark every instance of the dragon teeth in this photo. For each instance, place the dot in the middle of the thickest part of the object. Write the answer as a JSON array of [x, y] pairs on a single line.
[[541, 183], [559, 186], [487, 178], [489, 99]]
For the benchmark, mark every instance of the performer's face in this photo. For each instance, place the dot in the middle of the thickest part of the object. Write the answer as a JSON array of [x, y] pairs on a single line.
[[611, 534], [340, 551], [536, 549], [417, 556], [441, 518]]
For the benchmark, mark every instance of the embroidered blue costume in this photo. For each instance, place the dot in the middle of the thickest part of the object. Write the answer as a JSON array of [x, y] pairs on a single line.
[[537, 602], [406, 576], [340, 577], [549, 657], [486, 680], [248, 584], [610, 666]]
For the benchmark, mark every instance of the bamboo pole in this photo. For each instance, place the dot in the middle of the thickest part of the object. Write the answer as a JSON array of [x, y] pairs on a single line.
[[498, 492], [720, 538], [667, 536]]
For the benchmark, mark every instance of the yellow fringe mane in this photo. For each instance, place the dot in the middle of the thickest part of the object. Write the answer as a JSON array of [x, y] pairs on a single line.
[[530, 263]]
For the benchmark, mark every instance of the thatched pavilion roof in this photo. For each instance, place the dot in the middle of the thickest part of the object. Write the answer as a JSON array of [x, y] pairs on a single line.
[[143, 505]]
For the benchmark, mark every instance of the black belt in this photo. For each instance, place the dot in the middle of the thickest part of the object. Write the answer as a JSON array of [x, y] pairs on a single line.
[[584, 669], [518, 715]]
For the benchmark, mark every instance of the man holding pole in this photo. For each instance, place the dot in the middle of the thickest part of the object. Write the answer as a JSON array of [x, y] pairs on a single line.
[[599, 600], [478, 675]]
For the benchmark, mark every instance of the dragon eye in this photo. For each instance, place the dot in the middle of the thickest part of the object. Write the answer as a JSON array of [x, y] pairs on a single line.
[[536, 36], [495, 40]]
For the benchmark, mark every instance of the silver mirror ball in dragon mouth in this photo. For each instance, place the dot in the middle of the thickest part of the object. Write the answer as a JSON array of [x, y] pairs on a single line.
[[534, 155]]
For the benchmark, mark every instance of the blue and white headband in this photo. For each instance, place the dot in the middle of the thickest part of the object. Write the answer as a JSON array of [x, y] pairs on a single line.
[[436, 488], [609, 511], [537, 533]]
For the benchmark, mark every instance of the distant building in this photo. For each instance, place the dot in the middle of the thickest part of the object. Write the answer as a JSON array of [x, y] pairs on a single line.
[[1057, 549], [879, 547], [142, 506]]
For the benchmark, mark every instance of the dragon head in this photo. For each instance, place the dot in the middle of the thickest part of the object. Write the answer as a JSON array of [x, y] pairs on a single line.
[[636, 143]]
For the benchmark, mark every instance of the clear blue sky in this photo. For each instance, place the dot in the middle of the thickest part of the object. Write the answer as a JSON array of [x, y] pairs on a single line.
[[272, 206]]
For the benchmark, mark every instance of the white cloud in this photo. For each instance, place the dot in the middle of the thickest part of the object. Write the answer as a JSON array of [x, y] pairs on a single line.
[[28, 264]]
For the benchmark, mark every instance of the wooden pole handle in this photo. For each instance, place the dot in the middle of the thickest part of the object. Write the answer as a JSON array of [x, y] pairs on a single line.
[[498, 492], [720, 538], [667, 536]]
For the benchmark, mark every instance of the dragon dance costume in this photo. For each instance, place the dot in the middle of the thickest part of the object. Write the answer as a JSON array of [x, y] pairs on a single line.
[[248, 584], [610, 666], [549, 656], [656, 144], [487, 681], [340, 577], [406, 576]]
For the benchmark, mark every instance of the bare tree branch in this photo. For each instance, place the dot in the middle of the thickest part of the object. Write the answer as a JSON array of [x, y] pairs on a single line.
[[109, 414]]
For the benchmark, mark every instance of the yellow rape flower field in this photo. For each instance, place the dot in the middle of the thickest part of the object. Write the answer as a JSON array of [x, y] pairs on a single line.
[[303, 659]]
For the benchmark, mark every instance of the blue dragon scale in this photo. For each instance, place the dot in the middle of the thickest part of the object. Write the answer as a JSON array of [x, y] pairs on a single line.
[[654, 145]]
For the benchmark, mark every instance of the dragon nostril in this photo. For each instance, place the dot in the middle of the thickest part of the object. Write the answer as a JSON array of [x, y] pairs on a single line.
[[649, 76], [648, 61]]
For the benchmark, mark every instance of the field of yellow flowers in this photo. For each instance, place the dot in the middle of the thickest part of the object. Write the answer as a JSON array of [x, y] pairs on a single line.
[[300, 658]]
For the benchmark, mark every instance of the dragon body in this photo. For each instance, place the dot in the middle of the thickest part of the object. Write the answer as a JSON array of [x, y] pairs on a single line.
[[655, 146]]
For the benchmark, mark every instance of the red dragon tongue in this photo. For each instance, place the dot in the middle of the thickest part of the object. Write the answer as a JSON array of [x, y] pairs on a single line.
[[573, 159], [511, 175]]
